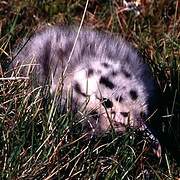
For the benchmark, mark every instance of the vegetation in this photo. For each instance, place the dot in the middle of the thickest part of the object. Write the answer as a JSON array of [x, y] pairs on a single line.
[[36, 142]]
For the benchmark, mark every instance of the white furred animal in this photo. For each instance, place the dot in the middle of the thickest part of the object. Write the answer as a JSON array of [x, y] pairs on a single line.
[[101, 69]]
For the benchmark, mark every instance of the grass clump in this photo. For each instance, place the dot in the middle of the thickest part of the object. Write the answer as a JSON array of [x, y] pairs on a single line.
[[38, 143]]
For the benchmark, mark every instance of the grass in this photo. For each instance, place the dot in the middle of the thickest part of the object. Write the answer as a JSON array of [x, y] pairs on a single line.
[[36, 142]]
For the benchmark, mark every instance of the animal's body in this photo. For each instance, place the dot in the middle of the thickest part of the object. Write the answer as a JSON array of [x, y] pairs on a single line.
[[101, 69]]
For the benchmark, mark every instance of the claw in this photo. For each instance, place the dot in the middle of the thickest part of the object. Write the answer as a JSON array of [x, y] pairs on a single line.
[[157, 151], [156, 146]]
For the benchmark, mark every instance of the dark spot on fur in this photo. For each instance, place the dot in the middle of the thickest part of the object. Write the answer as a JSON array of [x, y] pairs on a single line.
[[119, 99], [107, 103], [126, 74], [124, 114], [106, 65], [90, 72], [77, 88], [106, 82], [133, 94], [114, 73]]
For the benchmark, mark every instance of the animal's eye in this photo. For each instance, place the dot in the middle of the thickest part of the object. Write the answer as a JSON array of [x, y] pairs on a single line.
[[124, 114], [107, 103]]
